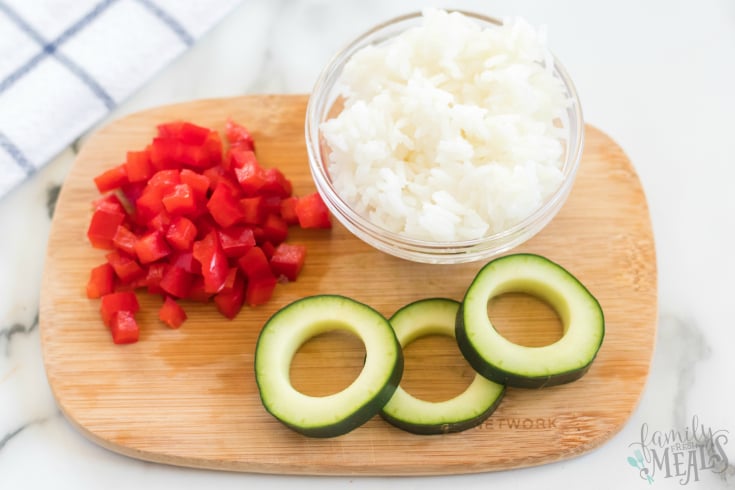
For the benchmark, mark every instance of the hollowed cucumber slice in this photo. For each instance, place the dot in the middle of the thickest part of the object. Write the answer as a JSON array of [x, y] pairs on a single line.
[[504, 362], [339, 413], [436, 316]]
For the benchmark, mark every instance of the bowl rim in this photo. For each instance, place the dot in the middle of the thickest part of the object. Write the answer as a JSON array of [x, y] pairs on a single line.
[[315, 109]]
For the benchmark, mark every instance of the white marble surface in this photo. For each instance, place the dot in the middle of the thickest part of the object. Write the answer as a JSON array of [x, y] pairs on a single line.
[[658, 76]]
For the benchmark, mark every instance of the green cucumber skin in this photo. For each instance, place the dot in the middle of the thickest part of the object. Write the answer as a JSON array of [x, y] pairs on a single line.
[[359, 417], [449, 427], [507, 378], [503, 377], [363, 413], [432, 430]]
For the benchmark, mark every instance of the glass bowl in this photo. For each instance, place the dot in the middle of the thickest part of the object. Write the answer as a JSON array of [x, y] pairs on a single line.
[[324, 103]]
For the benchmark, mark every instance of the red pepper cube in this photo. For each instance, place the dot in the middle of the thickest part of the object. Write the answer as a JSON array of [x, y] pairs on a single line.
[[197, 292], [214, 262], [101, 281], [111, 179], [272, 204], [151, 247], [166, 153], [125, 240], [176, 282], [248, 172], [288, 260], [138, 166], [103, 226], [181, 233], [126, 268], [236, 240], [213, 146], [150, 203], [186, 261], [124, 328], [183, 131], [171, 313], [288, 210], [268, 249], [224, 206], [255, 264], [238, 135], [160, 222], [229, 301], [276, 183], [275, 229], [180, 200], [260, 291], [198, 183], [153, 277], [253, 210], [114, 302], [312, 212], [133, 191]]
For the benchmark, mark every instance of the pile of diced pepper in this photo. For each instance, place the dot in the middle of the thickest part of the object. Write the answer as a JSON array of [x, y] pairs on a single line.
[[191, 217]]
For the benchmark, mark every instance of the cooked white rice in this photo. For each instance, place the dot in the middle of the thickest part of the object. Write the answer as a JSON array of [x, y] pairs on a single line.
[[448, 130]]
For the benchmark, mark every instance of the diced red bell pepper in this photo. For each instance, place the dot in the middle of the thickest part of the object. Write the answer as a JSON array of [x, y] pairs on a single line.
[[151, 247], [253, 210], [236, 240], [160, 222], [150, 203], [124, 328], [186, 261], [101, 281], [171, 313], [288, 210], [183, 131], [180, 200], [275, 229], [276, 183], [181, 233], [224, 206], [120, 301], [312, 212], [133, 190], [126, 268], [255, 264], [176, 282], [125, 240], [214, 262], [230, 300], [166, 153], [199, 183], [250, 175], [153, 277], [197, 292], [213, 145], [111, 179], [238, 135], [103, 226], [260, 291], [268, 249], [288, 260], [138, 166]]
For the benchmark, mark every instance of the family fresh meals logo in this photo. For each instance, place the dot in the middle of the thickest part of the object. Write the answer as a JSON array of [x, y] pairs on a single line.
[[682, 454]]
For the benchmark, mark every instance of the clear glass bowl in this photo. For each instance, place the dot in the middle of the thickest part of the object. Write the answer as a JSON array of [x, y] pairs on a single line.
[[323, 104]]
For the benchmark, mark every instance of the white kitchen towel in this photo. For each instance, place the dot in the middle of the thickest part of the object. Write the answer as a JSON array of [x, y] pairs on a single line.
[[64, 64]]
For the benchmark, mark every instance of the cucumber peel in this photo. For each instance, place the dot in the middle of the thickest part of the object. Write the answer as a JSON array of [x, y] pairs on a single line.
[[338, 413], [505, 362]]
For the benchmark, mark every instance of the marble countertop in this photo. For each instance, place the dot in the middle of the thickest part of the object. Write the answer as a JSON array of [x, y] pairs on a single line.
[[657, 76]]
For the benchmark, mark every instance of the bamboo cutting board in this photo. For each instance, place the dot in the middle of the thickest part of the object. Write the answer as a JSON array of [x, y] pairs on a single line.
[[188, 397]]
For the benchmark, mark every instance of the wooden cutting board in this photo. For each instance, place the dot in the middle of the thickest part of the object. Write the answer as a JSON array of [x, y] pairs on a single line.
[[188, 397]]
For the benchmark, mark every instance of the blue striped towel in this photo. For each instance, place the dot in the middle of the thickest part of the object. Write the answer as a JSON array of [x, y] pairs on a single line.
[[65, 64]]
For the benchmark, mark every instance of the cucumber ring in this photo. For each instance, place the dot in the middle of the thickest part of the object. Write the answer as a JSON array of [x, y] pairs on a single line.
[[338, 413], [504, 362], [466, 410]]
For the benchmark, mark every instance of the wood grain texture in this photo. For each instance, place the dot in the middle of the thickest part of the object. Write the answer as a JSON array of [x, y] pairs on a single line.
[[188, 397]]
